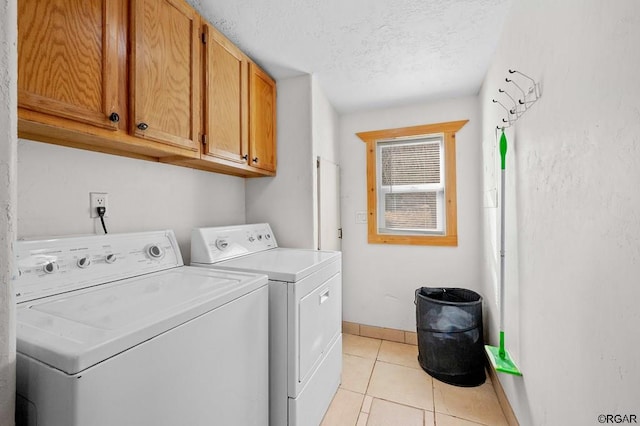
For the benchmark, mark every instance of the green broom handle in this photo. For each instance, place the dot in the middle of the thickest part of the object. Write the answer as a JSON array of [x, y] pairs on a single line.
[[503, 157], [503, 150]]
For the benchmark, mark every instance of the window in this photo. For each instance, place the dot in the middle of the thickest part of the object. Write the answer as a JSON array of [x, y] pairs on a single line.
[[411, 184]]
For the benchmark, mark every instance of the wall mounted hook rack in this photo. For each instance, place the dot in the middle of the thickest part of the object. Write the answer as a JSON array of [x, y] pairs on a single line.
[[522, 101]]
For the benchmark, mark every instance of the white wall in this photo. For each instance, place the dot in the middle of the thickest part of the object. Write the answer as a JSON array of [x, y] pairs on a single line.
[[325, 130], [326, 142], [54, 185], [8, 131], [306, 128], [379, 280], [573, 211], [285, 201]]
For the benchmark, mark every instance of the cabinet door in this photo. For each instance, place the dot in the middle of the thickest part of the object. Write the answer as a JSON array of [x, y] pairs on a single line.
[[70, 55], [262, 118], [165, 84], [225, 99]]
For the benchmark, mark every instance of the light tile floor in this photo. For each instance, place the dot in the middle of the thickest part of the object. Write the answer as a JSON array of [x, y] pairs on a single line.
[[383, 385]]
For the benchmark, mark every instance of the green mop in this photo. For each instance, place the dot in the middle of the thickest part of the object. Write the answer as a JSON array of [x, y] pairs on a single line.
[[499, 357]]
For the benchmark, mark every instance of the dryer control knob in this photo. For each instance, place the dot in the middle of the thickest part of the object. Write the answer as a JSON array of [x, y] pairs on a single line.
[[83, 262], [50, 267], [251, 239], [267, 236], [222, 244], [110, 258], [155, 252]]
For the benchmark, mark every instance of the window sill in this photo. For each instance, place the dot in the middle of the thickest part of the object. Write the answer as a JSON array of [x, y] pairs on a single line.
[[414, 240]]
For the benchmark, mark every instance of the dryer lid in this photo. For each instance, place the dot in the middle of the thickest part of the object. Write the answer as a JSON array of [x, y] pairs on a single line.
[[282, 264], [76, 330]]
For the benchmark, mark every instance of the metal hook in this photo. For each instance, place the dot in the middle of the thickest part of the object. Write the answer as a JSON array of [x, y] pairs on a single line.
[[510, 112], [535, 88], [533, 82], [508, 80], [509, 120], [513, 111]]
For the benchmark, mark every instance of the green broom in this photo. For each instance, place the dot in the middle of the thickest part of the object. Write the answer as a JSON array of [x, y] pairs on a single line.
[[499, 357]]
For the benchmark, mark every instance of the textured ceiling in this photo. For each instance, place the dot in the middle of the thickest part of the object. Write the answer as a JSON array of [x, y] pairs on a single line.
[[368, 53]]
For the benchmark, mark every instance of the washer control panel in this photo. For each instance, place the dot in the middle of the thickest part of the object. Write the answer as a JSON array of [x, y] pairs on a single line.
[[215, 244], [53, 266]]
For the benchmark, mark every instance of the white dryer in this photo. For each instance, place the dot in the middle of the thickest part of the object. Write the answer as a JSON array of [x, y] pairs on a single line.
[[114, 330], [305, 315]]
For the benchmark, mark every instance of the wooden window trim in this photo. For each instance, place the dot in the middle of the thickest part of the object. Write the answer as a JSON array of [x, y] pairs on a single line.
[[448, 129]]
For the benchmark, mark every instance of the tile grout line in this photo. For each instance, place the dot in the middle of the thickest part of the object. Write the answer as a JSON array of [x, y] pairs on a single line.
[[375, 361], [404, 404], [433, 397], [358, 356], [362, 412]]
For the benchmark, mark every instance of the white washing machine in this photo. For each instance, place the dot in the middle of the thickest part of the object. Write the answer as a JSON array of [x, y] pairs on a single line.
[[305, 315], [114, 330]]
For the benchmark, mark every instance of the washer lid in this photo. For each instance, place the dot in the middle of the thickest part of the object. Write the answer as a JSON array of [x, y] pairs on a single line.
[[76, 330], [282, 264]]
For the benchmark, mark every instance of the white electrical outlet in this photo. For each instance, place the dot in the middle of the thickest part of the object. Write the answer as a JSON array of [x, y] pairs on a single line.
[[361, 217], [98, 199]]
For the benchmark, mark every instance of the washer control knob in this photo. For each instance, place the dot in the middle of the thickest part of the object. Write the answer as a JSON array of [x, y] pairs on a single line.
[[110, 258], [267, 236], [83, 262], [259, 237], [222, 244], [155, 252], [50, 267], [251, 239]]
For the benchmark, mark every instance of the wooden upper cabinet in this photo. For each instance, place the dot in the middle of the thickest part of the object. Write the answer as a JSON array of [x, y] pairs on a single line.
[[165, 72], [225, 96], [71, 59], [143, 78], [262, 119]]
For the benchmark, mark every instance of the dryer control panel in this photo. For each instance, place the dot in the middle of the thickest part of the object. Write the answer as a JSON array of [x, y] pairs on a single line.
[[215, 244], [58, 265]]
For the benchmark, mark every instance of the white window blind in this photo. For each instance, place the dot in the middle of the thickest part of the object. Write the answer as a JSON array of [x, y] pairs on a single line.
[[410, 174]]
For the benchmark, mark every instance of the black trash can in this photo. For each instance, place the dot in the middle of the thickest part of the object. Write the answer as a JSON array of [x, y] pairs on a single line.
[[450, 338]]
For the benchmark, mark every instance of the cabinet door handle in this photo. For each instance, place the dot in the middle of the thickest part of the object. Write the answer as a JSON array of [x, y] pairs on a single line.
[[324, 296], [143, 126], [114, 117], [245, 157], [255, 159]]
